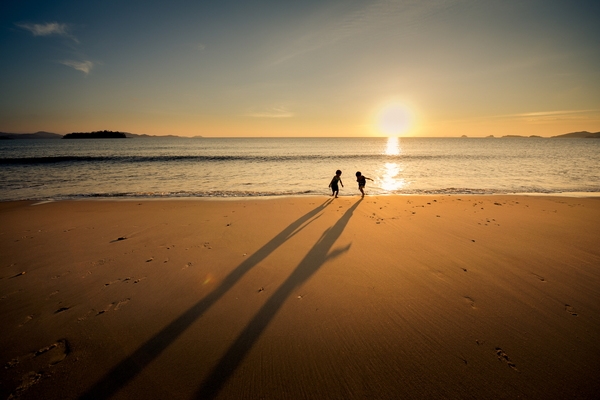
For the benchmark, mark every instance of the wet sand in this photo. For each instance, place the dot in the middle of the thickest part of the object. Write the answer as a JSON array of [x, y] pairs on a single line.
[[404, 297]]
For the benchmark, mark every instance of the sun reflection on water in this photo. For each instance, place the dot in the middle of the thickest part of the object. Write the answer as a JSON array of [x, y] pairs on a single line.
[[393, 146], [390, 181]]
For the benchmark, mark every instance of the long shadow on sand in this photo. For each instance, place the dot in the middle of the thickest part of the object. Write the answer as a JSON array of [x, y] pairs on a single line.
[[130, 367], [313, 260]]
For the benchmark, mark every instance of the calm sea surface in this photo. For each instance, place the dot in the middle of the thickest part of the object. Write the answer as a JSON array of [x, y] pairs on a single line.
[[242, 167]]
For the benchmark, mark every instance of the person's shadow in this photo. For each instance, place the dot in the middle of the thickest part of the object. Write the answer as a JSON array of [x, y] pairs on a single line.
[[130, 367], [313, 260]]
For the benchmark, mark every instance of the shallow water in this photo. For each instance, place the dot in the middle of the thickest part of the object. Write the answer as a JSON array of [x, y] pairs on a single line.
[[238, 167]]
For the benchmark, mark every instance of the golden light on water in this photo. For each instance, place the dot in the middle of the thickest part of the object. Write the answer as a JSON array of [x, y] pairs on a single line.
[[393, 146], [390, 179]]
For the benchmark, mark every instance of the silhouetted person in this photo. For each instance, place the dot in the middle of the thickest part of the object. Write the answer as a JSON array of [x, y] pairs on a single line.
[[362, 181], [334, 183]]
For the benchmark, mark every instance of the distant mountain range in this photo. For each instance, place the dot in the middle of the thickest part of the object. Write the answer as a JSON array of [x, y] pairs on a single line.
[[582, 134], [49, 135], [37, 135]]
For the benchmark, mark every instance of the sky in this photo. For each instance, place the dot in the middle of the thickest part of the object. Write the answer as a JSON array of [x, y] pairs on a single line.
[[301, 68]]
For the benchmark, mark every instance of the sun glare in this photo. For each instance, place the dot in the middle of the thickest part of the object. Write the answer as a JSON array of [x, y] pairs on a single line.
[[394, 120]]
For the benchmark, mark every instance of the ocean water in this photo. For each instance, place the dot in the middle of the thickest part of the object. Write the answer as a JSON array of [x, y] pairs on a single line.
[[245, 167]]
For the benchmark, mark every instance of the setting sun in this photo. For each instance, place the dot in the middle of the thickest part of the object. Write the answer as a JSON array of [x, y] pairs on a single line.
[[394, 120]]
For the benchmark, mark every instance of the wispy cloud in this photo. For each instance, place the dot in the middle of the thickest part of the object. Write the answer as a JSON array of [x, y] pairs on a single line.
[[274, 112], [330, 28], [62, 30], [83, 66], [549, 113], [537, 116], [49, 29], [551, 116]]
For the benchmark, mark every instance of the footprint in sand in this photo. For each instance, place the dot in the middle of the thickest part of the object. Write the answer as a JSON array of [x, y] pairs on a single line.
[[52, 294], [27, 319], [502, 356], [27, 381], [471, 302], [570, 310], [117, 306], [55, 353], [107, 309], [121, 303], [37, 365], [46, 356], [84, 317], [119, 280], [541, 278]]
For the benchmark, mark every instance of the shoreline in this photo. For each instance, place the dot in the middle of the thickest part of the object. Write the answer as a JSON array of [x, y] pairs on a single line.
[[274, 197], [395, 296]]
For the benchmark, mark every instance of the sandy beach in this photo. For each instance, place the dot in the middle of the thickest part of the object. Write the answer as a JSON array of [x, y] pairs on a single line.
[[386, 297]]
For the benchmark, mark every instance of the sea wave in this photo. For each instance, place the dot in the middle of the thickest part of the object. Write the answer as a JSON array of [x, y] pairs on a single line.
[[217, 158]]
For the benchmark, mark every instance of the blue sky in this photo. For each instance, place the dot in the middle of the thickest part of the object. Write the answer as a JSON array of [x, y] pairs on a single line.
[[309, 68]]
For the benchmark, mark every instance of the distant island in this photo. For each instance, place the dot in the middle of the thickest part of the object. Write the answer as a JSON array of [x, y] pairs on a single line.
[[96, 135], [572, 135], [582, 134]]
